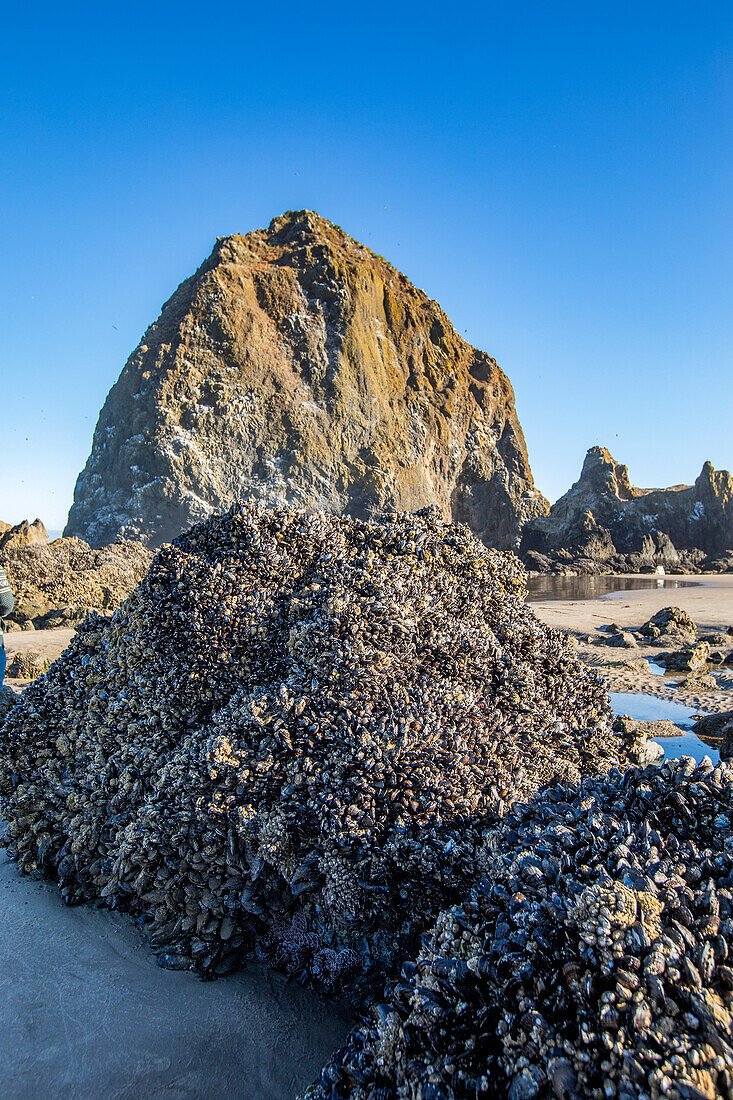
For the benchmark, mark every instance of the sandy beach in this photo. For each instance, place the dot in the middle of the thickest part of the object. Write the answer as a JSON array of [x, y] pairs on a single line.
[[85, 1011], [709, 602]]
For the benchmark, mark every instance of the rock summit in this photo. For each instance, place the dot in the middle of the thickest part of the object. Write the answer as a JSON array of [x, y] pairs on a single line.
[[296, 365]]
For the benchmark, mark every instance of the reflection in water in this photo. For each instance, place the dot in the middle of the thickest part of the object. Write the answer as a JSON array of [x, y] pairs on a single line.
[[592, 588], [646, 708], [687, 744]]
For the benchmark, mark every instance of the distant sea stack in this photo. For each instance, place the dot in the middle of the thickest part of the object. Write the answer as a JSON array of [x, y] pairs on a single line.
[[22, 534], [295, 364], [605, 524]]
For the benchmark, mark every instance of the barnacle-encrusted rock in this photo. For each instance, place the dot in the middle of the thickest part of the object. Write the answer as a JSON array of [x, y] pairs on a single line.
[[302, 717], [59, 583], [692, 658], [27, 665], [668, 620], [593, 960]]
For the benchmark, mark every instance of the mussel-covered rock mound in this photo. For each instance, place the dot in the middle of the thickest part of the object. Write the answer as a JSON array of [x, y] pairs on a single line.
[[595, 959], [291, 737]]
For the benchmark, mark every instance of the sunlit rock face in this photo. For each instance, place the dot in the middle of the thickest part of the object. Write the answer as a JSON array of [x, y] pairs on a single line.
[[297, 365], [604, 519]]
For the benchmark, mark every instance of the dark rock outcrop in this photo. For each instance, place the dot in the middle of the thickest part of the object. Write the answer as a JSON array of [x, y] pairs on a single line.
[[717, 730], [298, 365], [604, 524]]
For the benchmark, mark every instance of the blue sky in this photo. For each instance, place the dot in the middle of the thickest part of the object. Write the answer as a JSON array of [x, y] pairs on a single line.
[[557, 175]]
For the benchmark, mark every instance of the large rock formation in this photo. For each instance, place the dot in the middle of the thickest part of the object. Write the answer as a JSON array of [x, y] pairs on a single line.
[[296, 364], [22, 534], [59, 583], [603, 522]]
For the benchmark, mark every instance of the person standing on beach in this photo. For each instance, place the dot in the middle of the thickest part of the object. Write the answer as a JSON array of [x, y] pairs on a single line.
[[7, 603]]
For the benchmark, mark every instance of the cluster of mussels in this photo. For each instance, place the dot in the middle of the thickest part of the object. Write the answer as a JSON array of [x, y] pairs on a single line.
[[592, 959], [57, 584], [291, 738]]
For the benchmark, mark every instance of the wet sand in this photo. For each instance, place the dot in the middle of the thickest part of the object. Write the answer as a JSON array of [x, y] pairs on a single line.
[[709, 603], [85, 1011]]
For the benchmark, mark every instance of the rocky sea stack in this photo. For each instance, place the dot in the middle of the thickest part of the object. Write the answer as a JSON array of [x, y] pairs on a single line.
[[605, 524], [297, 365], [22, 535], [292, 736]]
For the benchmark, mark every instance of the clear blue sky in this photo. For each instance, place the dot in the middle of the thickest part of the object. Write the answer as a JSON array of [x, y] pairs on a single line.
[[557, 175]]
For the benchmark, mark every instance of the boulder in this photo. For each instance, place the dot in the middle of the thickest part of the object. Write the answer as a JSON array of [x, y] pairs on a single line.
[[671, 639], [690, 659], [27, 666], [641, 734], [698, 681], [717, 728], [669, 620], [622, 640], [716, 637], [714, 725], [630, 664]]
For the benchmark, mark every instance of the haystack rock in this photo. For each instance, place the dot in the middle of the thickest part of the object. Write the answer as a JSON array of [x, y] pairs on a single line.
[[604, 520], [297, 365]]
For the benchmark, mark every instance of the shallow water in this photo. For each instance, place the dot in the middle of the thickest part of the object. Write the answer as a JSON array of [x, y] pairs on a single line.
[[593, 588], [687, 744], [647, 708]]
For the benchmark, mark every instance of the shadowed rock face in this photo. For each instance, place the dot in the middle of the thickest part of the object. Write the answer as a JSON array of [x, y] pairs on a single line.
[[603, 517], [296, 364]]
